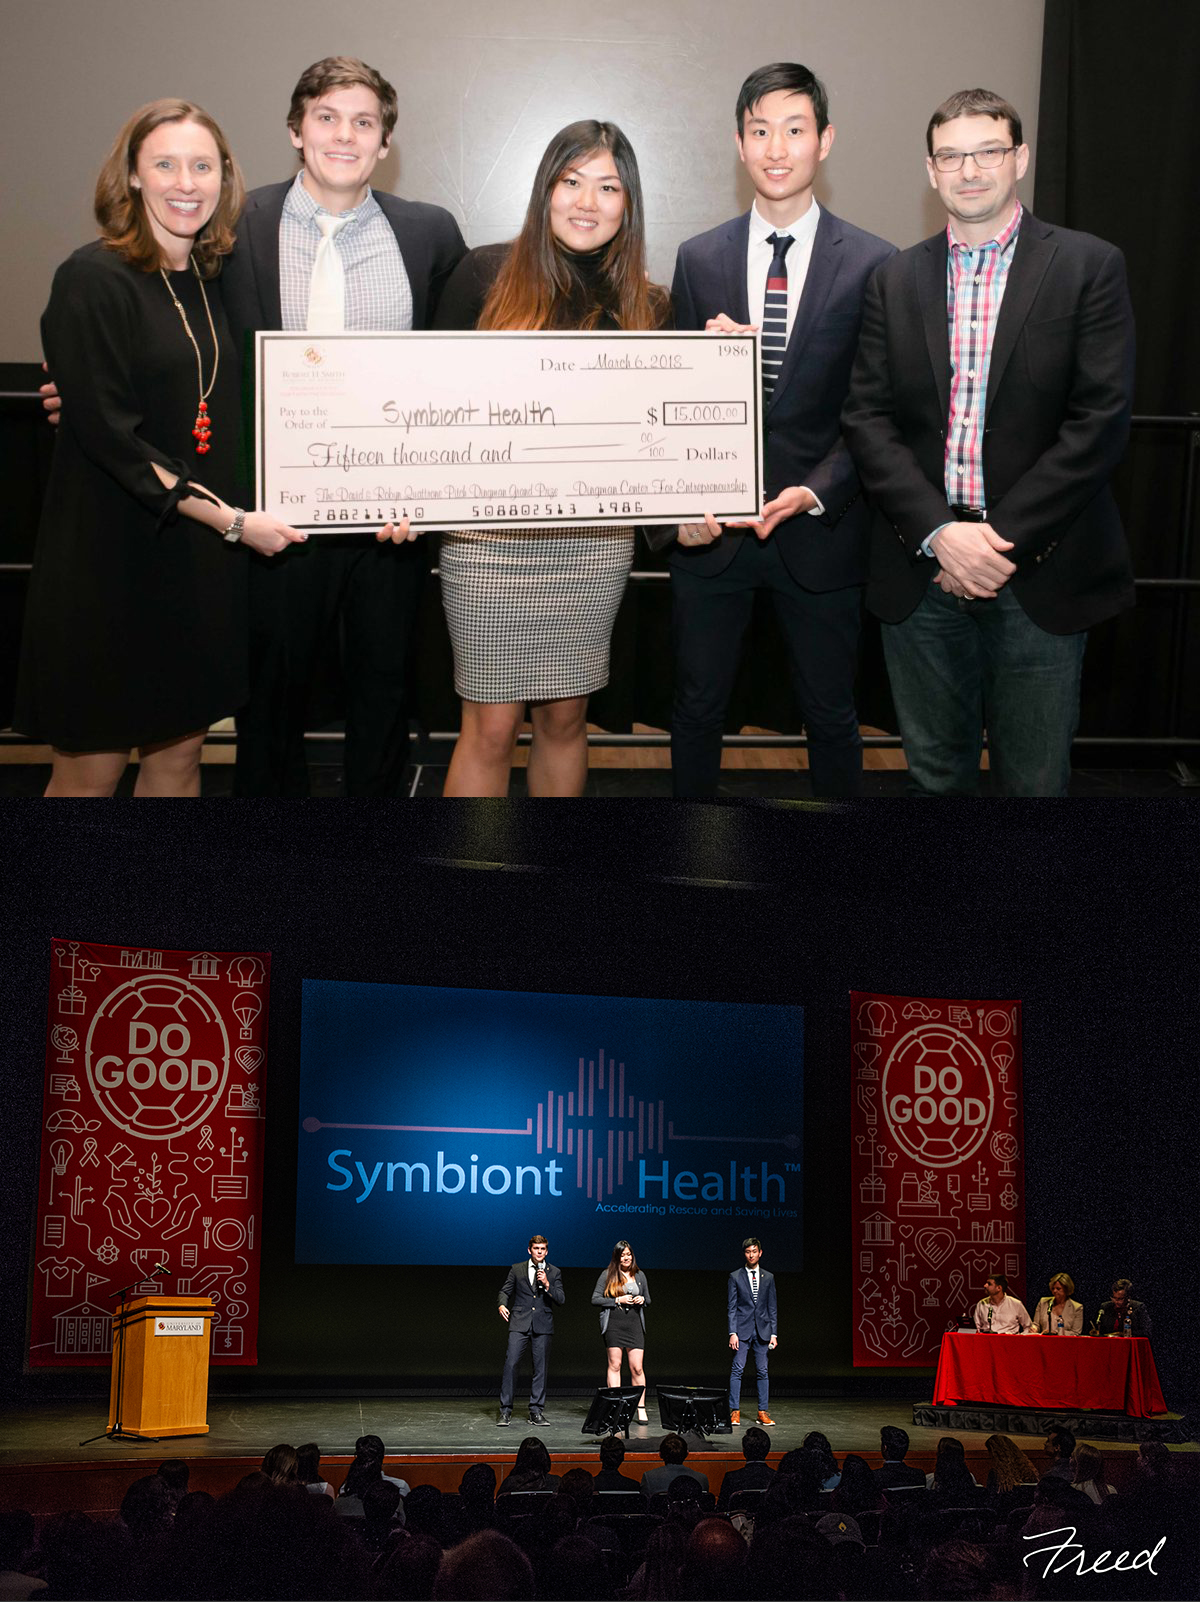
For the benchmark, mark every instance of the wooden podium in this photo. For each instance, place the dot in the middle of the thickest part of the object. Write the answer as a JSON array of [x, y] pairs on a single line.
[[160, 1379]]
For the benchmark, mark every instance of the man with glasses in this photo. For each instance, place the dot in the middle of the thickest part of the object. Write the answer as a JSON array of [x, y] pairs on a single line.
[[989, 405]]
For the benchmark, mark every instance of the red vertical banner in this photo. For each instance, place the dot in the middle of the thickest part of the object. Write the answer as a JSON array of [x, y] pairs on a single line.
[[937, 1149], [152, 1143]]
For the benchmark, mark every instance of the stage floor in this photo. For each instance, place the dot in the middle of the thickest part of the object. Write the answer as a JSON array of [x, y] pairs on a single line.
[[51, 1431]]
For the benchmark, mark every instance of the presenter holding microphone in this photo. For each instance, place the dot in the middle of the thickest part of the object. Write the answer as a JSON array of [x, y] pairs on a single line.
[[526, 1305], [752, 1327], [622, 1295], [998, 1313]]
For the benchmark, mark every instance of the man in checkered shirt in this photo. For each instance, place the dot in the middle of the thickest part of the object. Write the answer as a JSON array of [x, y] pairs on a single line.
[[394, 257], [989, 405]]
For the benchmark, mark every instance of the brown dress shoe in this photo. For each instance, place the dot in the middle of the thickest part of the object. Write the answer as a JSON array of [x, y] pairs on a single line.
[[763, 1419], [735, 1417]]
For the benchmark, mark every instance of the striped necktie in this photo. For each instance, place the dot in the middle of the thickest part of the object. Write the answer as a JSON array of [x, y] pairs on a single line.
[[774, 319]]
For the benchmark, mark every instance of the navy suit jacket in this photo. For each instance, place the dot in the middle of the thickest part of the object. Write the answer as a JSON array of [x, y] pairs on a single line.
[[428, 236], [527, 1311], [748, 1319], [802, 435], [1056, 421]]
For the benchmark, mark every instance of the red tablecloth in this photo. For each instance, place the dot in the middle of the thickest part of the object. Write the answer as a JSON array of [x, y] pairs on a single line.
[[1111, 1375]]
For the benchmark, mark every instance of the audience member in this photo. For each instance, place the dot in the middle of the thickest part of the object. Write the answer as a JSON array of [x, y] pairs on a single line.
[[372, 1446], [1060, 1443], [578, 1484], [951, 1482], [610, 1478], [174, 1475], [308, 1470], [957, 1571], [756, 1475], [714, 1562], [407, 1569], [487, 1567], [1011, 1472], [280, 1466], [673, 1450], [531, 1471], [425, 1513], [1089, 1474], [16, 1549], [817, 1442], [858, 1491], [477, 1498], [576, 1570], [383, 1511], [894, 1471], [789, 1559], [658, 1578]]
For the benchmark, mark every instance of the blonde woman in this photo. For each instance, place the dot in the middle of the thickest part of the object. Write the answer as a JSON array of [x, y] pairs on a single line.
[[1057, 1314]]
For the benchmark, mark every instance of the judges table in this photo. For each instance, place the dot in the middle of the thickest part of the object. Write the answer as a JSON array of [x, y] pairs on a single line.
[[1099, 1374]]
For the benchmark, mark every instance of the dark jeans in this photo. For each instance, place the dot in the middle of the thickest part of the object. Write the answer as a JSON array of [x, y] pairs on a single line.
[[518, 1339], [709, 617], [760, 1349], [372, 592], [957, 667]]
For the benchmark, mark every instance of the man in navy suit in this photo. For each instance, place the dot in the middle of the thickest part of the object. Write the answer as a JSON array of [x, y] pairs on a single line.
[[526, 1304], [392, 257], [989, 405], [809, 549], [753, 1325]]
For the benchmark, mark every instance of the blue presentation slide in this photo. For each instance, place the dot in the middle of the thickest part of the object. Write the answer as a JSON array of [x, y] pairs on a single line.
[[447, 1126]]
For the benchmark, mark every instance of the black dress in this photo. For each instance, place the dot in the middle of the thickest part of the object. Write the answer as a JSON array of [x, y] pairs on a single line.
[[135, 625]]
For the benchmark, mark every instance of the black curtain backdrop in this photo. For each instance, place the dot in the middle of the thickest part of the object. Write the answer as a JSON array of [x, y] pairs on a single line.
[[1117, 155], [1088, 913]]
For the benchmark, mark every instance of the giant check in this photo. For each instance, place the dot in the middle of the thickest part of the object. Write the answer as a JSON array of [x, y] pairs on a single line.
[[463, 430]]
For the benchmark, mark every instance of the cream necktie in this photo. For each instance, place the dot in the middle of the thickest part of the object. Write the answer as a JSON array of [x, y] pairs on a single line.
[[327, 286]]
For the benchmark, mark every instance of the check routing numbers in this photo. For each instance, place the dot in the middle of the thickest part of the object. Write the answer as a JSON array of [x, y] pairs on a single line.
[[461, 430]]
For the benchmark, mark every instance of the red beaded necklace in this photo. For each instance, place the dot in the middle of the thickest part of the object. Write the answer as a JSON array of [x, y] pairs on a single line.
[[202, 428]]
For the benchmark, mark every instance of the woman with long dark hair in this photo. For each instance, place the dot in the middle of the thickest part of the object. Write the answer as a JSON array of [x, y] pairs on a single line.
[[135, 626], [531, 610], [622, 1294]]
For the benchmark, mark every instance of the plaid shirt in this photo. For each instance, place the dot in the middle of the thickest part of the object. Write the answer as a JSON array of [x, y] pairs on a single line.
[[378, 293], [975, 280]]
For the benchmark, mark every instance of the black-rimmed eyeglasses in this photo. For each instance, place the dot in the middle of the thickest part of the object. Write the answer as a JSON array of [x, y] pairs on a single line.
[[989, 156]]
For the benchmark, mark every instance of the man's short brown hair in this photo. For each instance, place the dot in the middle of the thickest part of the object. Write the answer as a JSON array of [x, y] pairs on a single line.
[[342, 72], [974, 103]]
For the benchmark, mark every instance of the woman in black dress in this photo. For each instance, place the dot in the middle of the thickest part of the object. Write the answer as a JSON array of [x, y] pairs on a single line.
[[135, 628], [622, 1293], [531, 610]]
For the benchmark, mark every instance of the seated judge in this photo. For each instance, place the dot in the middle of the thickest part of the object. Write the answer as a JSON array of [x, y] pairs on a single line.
[[998, 1313], [1110, 1320], [1057, 1314]]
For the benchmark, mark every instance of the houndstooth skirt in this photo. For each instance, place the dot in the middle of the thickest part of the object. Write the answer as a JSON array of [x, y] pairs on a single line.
[[531, 611]]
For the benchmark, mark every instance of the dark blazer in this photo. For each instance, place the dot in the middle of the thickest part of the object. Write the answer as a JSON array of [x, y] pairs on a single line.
[[1055, 425], [748, 1319], [753, 1477], [802, 439], [528, 1311], [657, 1479], [890, 1474], [1110, 1322], [429, 240]]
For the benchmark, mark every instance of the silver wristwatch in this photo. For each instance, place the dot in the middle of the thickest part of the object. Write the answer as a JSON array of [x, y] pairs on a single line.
[[237, 528]]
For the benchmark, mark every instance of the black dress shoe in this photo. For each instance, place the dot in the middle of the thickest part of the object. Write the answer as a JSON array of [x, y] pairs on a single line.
[[536, 1416], [505, 1416]]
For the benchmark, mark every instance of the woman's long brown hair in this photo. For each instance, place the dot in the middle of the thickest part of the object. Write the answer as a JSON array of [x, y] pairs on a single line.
[[616, 1274], [537, 287]]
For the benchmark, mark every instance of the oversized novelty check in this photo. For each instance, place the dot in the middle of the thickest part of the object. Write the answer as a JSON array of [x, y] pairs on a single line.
[[463, 430]]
